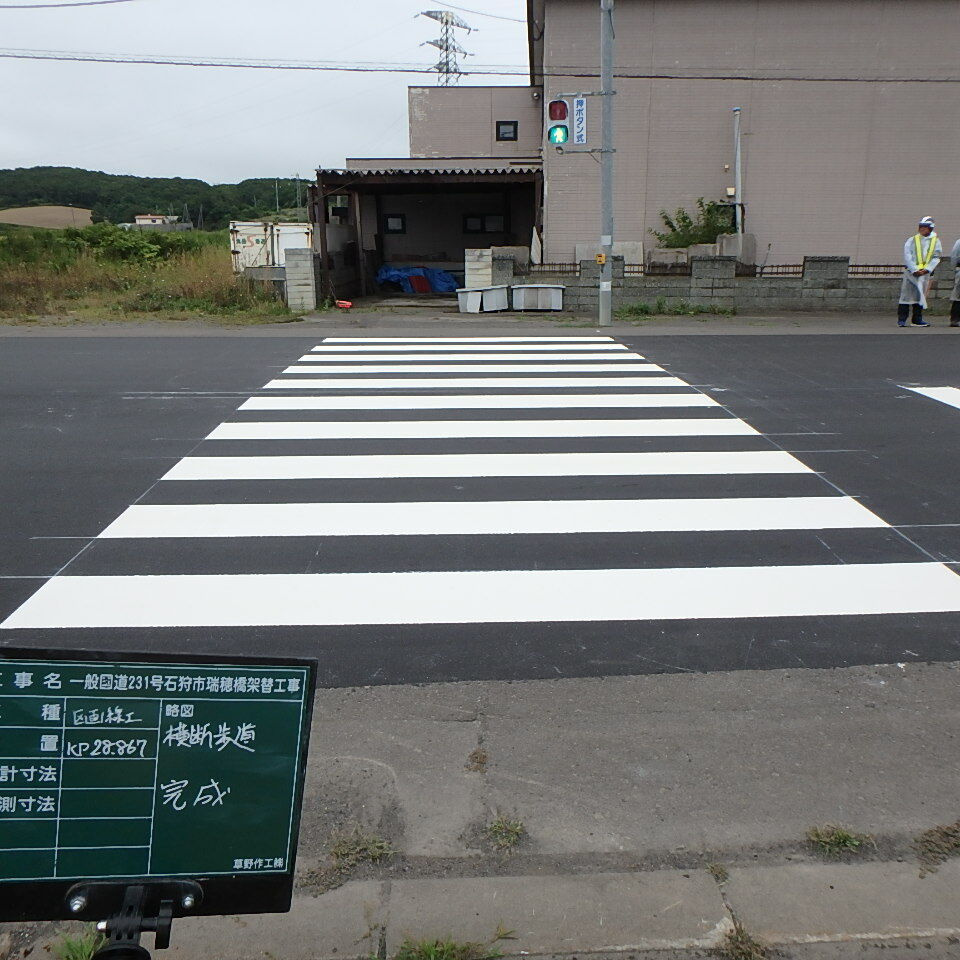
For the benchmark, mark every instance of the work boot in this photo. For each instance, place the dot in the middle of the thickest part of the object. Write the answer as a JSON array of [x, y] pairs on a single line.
[[903, 312], [955, 313], [918, 320]]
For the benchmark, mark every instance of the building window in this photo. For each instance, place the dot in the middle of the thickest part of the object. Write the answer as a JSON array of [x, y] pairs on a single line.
[[507, 129], [483, 223], [395, 223]]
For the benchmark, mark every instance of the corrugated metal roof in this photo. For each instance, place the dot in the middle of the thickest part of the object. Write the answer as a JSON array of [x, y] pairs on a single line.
[[449, 167]]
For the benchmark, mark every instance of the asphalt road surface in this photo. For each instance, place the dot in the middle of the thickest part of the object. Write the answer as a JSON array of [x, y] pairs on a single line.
[[504, 508]]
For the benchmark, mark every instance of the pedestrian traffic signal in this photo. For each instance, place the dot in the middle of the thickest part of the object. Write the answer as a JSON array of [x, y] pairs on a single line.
[[558, 129]]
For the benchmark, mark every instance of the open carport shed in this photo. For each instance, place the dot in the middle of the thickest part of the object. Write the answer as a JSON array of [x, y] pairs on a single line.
[[418, 213]]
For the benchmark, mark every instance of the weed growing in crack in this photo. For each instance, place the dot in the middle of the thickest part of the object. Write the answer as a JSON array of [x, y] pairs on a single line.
[[348, 851], [477, 761], [719, 872], [834, 842], [80, 947], [357, 846], [937, 845], [506, 834], [450, 949], [738, 944]]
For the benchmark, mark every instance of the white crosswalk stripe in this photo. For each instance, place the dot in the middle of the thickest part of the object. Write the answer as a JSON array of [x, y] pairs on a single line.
[[532, 492], [439, 429], [469, 383]]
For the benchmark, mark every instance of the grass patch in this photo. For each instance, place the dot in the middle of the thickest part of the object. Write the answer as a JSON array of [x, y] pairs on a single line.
[[936, 846], [660, 308], [80, 947], [834, 842], [192, 279], [719, 872], [738, 944], [506, 834], [450, 949]]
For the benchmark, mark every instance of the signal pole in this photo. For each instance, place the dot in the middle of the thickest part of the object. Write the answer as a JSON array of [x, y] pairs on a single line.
[[606, 163]]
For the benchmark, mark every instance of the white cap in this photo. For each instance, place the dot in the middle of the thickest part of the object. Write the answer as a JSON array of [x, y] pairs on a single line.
[[927, 222]]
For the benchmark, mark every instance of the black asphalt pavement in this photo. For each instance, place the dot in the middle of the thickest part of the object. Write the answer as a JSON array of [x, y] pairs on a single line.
[[88, 426]]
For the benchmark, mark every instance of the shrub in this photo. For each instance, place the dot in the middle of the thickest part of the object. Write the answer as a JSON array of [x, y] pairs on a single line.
[[683, 230]]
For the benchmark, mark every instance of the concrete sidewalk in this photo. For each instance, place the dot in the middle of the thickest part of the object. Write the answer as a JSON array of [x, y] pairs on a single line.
[[657, 809], [605, 913], [429, 320]]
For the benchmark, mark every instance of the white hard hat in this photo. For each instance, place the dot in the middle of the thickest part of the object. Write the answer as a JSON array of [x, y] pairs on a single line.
[[927, 222]]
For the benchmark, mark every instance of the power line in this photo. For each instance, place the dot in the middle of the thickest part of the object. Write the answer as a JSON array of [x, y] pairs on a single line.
[[57, 6], [497, 70], [492, 16]]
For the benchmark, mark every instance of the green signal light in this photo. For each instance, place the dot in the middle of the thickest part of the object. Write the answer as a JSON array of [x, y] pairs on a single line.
[[559, 133]]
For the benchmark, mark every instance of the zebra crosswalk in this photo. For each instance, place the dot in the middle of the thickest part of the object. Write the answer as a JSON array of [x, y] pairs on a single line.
[[486, 480]]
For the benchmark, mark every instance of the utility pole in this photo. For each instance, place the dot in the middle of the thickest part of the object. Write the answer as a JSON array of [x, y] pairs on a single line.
[[737, 181], [298, 193], [606, 163], [276, 187]]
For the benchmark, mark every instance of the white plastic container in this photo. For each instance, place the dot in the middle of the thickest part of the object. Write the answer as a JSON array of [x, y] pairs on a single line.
[[538, 296], [483, 299], [469, 300]]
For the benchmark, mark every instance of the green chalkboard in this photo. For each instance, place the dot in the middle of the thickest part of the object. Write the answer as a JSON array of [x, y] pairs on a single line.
[[150, 769]]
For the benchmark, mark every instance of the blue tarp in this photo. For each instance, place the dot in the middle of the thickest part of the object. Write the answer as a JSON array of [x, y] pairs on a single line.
[[440, 281]]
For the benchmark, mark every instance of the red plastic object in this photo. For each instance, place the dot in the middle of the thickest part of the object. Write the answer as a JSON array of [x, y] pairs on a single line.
[[419, 284], [344, 304]]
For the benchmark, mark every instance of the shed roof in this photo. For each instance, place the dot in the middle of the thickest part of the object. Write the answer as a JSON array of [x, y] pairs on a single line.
[[479, 166]]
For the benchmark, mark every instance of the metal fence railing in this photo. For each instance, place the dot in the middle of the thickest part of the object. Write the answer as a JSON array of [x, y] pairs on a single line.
[[572, 269], [634, 269], [781, 270], [876, 269]]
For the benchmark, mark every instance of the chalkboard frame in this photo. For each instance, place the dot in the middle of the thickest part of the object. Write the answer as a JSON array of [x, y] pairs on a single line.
[[223, 895]]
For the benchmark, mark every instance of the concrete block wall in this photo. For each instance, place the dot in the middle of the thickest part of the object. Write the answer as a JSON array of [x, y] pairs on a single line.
[[301, 280], [826, 285]]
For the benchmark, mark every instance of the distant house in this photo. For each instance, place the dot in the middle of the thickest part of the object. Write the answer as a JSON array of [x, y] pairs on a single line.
[[151, 219], [163, 222]]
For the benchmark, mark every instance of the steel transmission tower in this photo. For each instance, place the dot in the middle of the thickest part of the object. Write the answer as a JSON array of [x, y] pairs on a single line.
[[448, 66]]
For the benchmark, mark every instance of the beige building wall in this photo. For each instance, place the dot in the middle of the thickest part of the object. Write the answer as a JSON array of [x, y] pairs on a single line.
[[829, 168], [461, 121]]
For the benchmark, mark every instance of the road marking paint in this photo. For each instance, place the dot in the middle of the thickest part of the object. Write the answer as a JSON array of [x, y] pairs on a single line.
[[476, 350], [497, 596], [485, 518], [626, 366], [484, 465], [947, 395], [471, 383], [443, 429], [328, 340], [518, 401], [448, 357]]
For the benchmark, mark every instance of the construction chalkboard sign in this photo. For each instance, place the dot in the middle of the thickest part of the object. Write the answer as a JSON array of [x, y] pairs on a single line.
[[172, 775]]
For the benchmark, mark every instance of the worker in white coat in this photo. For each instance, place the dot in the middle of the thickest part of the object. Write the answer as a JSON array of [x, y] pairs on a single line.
[[921, 254], [955, 296]]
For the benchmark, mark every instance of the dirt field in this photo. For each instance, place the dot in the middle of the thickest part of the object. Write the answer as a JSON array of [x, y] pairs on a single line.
[[47, 216]]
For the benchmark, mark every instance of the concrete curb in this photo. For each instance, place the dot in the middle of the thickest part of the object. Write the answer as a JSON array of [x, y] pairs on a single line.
[[609, 913]]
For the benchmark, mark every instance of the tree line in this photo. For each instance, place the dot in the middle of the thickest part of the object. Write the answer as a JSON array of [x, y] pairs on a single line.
[[118, 198]]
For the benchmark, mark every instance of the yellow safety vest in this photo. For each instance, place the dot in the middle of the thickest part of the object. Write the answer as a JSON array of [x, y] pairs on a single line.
[[923, 262]]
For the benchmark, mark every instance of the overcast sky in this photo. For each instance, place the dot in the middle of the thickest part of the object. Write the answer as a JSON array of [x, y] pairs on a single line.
[[222, 125]]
